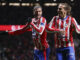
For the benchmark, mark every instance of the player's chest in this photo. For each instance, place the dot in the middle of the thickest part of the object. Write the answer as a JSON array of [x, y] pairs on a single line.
[[36, 22], [62, 23]]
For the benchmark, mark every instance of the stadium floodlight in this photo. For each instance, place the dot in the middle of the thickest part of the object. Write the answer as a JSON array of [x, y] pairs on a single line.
[[72, 0], [25, 4], [50, 4], [54, 0], [3, 4], [14, 4], [29, 4], [37, 0]]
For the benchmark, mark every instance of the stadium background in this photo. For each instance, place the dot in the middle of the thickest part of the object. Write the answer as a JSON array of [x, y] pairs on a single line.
[[16, 12]]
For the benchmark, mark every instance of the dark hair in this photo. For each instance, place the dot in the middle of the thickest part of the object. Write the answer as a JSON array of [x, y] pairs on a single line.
[[67, 8]]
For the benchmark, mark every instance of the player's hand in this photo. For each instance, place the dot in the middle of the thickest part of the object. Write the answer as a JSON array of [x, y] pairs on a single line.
[[62, 32], [29, 20]]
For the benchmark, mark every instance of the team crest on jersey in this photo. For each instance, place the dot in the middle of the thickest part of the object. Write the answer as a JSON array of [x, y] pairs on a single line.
[[42, 23]]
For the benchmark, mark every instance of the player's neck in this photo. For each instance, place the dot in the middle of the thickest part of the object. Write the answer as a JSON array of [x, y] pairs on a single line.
[[63, 16], [37, 18]]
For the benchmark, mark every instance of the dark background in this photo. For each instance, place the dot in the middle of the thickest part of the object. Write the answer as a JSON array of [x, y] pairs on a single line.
[[21, 47], [18, 15]]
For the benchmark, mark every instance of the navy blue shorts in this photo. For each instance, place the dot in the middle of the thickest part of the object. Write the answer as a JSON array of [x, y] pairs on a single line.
[[66, 53], [41, 55]]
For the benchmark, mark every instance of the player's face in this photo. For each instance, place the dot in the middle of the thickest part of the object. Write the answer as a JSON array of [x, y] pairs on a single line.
[[61, 11], [38, 12]]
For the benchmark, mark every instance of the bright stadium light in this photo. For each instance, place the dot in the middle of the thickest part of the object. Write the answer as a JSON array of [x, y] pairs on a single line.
[[3, 4], [72, 0], [14, 4], [50, 4], [37, 0], [29, 4], [54, 0], [25, 4]]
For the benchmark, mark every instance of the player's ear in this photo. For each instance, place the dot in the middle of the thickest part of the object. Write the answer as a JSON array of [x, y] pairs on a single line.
[[33, 12]]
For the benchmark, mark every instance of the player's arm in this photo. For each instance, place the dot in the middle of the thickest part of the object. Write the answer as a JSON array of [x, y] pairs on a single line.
[[40, 28], [51, 26], [76, 25], [20, 31], [16, 32]]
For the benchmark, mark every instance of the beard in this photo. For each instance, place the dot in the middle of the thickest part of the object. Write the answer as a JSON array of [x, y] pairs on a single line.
[[60, 14], [38, 16]]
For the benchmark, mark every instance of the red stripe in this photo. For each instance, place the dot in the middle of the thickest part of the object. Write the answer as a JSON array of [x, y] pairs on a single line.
[[44, 54], [66, 31], [54, 22], [57, 34], [43, 20], [66, 36], [71, 32], [62, 24], [71, 39]]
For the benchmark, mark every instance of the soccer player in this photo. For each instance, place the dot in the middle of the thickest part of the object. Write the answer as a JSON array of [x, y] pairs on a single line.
[[39, 34], [63, 37]]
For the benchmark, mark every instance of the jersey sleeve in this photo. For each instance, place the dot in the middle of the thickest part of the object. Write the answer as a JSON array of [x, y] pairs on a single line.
[[51, 25], [77, 26], [20, 31], [39, 29]]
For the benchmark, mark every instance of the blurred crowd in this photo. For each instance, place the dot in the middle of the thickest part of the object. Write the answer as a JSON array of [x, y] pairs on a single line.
[[20, 47], [16, 47]]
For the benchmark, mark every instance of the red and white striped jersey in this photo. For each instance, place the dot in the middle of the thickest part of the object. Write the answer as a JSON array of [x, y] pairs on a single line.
[[66, 24], [39, 33]]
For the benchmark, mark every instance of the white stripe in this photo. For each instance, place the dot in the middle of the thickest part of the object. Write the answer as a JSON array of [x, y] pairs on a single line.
[[51, 22], [13, 28], [68, 37], [19, 27], [59, 28], [69, 44], [69, 28], [59, 23], [42, 25]]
